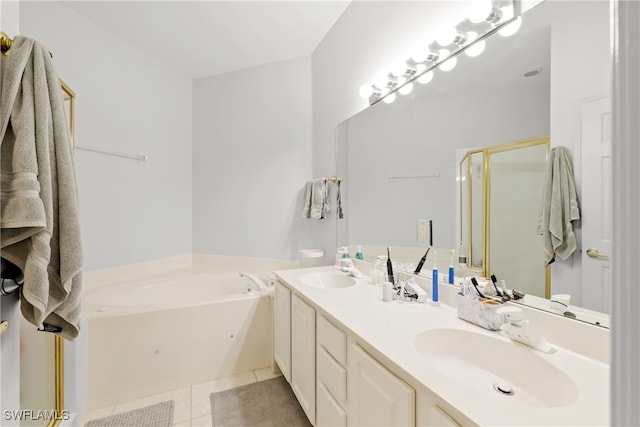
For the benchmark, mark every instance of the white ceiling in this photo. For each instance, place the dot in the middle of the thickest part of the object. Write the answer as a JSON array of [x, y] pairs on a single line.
[[204, 38]]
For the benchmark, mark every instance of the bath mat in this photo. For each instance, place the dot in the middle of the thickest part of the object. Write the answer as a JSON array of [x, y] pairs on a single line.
[[265, 403], [158, 415]]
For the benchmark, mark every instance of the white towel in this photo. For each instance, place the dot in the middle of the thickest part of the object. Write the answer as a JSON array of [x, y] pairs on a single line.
[[559, 207], [306, 209], [319, 199], [39, 226]]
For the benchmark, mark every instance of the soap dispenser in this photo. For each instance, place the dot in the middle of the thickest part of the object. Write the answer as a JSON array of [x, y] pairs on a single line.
[[359, 253], [345, 260]]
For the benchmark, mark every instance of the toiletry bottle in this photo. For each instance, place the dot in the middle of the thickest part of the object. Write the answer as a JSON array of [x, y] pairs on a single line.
[[378, 275], [359, 253], [451, 271], [345, 261], [434, 280]]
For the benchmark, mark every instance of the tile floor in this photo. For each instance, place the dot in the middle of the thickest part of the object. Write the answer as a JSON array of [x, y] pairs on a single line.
[[192, 404]]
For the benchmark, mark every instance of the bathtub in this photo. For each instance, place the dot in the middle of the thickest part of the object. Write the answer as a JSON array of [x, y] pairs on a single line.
[[153, 335]]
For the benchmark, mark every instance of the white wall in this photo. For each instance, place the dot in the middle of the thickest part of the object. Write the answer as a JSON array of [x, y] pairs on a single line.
[[251, 158], [126, 101]]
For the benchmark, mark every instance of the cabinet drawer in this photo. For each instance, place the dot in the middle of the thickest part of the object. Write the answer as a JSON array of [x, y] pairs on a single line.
[[332, 375], [329, 412], [333, 339]]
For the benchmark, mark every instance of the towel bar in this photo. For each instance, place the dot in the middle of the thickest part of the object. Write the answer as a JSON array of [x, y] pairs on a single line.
[[436, 174], [139, 156]]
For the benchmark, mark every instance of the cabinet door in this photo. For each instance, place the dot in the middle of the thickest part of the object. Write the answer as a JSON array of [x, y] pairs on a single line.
[[282, 329], [303, 355], [376, 397]]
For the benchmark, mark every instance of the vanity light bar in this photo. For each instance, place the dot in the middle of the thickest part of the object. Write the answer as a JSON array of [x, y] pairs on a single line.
[[485, 18]]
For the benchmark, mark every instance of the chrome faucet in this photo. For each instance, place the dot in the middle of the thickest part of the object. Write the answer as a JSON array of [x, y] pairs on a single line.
[[520, 330], [259, 283]]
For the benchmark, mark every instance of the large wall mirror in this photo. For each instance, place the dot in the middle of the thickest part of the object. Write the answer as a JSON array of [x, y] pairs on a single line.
[[400, 160]]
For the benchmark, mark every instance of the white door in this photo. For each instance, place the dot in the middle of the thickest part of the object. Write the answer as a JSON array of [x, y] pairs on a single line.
[[596, 203]]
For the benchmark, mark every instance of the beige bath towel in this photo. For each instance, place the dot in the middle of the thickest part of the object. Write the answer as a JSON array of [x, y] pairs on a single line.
[[40, 230], [559, 207]]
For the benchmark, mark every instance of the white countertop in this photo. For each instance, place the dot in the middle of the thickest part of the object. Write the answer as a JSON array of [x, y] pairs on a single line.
[[391, 328]]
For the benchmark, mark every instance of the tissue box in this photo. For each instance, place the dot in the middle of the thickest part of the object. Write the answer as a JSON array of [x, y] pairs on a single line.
[[480, 311]]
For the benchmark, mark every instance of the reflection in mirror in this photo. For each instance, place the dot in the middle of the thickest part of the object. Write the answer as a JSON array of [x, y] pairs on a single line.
[[531, 84], [515, 179], [476, 213], [502, 210]]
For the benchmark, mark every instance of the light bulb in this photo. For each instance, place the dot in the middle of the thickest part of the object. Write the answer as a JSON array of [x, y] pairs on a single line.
[[449, 64], [399, 68], [381, 81], [406, 89], [419, 56], [366, 91], [480, 10], [506, 13], [389, 98], [425, 78], [476, 49], [446, 36], [511, 28]]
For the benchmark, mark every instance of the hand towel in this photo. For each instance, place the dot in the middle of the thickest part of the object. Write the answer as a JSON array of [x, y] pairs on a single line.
[[319, 199], [339, 203], [306, 200], [559, 207], [39, 225]]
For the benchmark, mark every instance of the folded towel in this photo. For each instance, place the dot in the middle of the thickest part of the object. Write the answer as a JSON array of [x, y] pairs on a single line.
[[319, 199], [306, 209], [39, 226], [559, 207]]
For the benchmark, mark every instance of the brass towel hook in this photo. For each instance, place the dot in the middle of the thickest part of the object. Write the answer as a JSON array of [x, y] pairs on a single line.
[[5, 43]]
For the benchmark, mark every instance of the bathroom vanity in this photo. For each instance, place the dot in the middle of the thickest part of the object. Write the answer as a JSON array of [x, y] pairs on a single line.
[[352, 359]]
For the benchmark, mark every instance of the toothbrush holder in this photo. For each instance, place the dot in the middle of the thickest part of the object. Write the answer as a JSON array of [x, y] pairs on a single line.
[[480, 311]]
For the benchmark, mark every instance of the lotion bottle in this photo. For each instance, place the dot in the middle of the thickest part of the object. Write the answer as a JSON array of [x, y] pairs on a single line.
[[345, 261]]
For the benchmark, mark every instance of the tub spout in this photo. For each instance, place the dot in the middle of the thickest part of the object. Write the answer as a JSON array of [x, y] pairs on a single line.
[[259, 283]]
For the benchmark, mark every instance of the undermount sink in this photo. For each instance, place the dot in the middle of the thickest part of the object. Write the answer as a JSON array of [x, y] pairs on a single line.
[[328, 280], [495, 366]]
